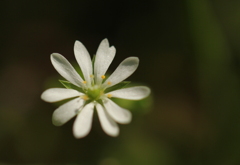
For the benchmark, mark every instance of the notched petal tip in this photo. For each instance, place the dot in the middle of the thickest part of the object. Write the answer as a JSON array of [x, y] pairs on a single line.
[[104, 45], [112, 50]]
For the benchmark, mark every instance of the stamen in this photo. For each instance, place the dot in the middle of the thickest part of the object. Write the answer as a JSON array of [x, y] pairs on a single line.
[[84, 82], [103, 76], [109, 83], [109, 95], [92, 79], [84, 97]]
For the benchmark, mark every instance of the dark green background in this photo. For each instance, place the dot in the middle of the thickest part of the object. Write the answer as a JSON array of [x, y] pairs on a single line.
[[189, 54]]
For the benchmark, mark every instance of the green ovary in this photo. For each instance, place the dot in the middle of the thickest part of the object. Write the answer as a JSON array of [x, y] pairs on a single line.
[[94, 93]]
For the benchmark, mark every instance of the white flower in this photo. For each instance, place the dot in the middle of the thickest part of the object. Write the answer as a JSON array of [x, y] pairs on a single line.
[[93, 90]]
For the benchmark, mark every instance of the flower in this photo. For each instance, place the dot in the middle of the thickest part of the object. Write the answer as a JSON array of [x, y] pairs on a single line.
[[93, 89]]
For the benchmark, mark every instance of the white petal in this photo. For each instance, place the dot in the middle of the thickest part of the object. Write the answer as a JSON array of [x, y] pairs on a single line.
[[83, 58], [65, 69], [123, 71], [83, 123], [132, 93], [118, 113], [58, 94], [109, 126], [104, 57], [66, 111]]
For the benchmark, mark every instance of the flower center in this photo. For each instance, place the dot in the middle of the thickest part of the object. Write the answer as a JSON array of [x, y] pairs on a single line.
[[94, 93]]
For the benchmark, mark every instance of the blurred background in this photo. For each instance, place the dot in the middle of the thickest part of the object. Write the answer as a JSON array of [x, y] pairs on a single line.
[[189, 56]]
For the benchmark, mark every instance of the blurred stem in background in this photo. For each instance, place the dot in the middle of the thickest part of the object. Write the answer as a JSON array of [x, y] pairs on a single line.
[[219, 88]]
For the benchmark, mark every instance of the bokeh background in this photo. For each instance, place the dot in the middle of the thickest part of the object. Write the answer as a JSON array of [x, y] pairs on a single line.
[[189, 55]]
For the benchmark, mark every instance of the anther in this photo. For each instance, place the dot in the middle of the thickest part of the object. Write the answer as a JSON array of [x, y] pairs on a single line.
[[109, 95], [103, 76], [92, 76], [84, 82], [109, 83], [84, 97]]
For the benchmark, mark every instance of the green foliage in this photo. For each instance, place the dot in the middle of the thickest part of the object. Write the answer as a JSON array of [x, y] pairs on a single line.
[[117, 86], [218, 85], [69, 85]]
